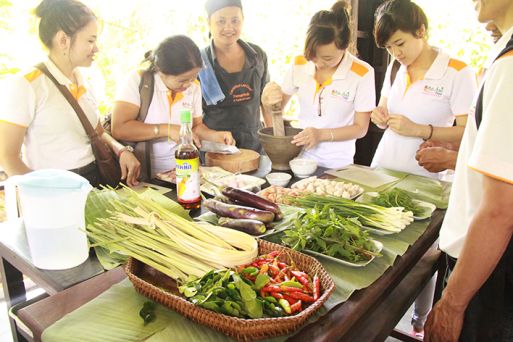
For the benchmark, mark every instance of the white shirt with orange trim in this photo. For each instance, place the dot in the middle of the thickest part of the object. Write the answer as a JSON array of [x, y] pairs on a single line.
[[163, 110], [487, 151], [332, 104], [55, 138], [447, 91]]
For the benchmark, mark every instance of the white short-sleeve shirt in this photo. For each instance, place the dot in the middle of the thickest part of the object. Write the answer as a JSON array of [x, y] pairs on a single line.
[[332, 104], [55, 138], [163, 109], [487, 151], [447, 91]]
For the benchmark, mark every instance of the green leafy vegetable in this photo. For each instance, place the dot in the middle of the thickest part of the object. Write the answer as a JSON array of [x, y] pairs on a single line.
[[398, 198], [369, 214], [225, 292], [323, 231], [147, 312]]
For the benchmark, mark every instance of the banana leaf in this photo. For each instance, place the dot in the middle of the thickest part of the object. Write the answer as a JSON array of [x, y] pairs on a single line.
[[112, 316]]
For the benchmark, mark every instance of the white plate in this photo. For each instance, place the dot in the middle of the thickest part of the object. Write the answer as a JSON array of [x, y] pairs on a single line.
[[378, 245], [244, 182], [429, 208]]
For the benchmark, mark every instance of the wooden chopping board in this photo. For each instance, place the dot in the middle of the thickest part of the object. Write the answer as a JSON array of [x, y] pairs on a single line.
[[244, 161]]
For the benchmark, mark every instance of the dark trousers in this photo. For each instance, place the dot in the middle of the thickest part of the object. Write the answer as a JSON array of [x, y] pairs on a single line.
[[489, 315]]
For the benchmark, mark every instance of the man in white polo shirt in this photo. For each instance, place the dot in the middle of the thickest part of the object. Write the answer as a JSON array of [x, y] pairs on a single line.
[[477, 304]]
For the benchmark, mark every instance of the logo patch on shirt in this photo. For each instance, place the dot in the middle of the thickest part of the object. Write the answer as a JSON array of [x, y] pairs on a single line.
[[437, 91], [340, 94]]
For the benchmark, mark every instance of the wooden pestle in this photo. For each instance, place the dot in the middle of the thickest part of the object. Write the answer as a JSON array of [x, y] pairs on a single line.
[[277, 116]]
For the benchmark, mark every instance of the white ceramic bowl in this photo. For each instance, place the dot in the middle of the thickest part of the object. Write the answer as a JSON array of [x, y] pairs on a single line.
[[303, 167], [278, 178]]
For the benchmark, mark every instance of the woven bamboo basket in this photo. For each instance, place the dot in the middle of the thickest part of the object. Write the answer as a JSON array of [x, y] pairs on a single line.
[[163, 290]]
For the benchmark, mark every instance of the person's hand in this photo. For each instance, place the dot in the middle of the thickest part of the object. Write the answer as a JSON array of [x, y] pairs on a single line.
[[224, 137], [196, 140], [400, 124], [130, 168], [309, 138], [436, 159], [446, 145], [379, 116], [444, 323], [271, 95]]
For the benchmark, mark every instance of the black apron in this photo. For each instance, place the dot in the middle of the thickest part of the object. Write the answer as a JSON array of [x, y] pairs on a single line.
[[239, 112]]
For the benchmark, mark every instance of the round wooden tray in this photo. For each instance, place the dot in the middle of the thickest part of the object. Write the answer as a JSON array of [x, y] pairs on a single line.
[[244, 161]]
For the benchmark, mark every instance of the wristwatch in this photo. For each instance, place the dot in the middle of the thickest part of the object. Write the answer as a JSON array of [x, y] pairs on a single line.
[[125, 148]]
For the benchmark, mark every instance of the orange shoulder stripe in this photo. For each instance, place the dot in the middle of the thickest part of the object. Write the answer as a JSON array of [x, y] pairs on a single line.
[[359, 69], [456, 64], [300, 60], [31, 76], [507, 54], [509, 181]]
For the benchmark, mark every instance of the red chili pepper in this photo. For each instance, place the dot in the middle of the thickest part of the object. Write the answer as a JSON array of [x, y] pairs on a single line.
[[273, 254], [254, 264], [290, 299], [263, 293], [290, 289], [272, 288], [316, 287], [296, 307], [300, 278], [277, 295], [301, 296], [282, 265], [274, 270]]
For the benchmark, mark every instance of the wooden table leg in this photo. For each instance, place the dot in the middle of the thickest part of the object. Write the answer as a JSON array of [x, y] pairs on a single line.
[[14, 292]]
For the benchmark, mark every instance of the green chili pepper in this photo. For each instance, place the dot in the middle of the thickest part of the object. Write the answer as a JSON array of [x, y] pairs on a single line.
[[292, 284], [253, 271]]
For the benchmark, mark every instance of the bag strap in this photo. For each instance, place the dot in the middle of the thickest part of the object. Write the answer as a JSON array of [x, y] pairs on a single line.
[[91, 132], [479, 104], [146, 94]]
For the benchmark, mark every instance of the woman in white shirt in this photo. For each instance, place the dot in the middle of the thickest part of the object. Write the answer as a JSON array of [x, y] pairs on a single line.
[[35, 115], [175, 65], [335, 91], [429, 92], [421, 102]]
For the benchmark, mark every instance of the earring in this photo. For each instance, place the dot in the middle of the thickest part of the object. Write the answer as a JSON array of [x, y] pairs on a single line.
[[64, 53]]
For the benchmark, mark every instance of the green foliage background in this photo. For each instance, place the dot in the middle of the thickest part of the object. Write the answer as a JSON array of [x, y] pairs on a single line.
[[131, 27]]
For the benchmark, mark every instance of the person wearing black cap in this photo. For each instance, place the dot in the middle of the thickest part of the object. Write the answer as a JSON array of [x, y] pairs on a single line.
[[234, 75]]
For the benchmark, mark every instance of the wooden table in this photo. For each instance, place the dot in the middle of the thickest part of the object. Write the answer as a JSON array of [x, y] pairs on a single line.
[[392, 293]]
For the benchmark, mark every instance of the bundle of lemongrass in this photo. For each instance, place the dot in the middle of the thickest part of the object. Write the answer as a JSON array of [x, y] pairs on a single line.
[[143, 229]]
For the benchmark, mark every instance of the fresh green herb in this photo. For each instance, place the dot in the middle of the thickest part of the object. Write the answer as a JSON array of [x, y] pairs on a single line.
[[147, 312], [323, 231], [369, 214], [398, 198], [225, 292]]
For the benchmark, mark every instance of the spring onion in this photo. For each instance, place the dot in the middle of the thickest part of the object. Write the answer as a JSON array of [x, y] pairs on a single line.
[[370, 215]]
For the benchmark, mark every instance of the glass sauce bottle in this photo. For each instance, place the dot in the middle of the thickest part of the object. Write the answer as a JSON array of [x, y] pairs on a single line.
[[187, 166]]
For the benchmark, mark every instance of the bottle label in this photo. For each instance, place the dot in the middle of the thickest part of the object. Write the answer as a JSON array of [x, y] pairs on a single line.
[[188, 180]]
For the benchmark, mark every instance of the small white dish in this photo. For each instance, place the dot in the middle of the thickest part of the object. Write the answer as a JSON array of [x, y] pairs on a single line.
[[303, 167], [278, 178]]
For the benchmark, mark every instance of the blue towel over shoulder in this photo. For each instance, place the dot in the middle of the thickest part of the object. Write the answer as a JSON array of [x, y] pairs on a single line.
[[212, 92]]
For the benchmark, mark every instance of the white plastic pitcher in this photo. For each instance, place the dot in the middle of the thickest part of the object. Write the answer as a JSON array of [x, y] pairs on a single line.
[[52, 208]]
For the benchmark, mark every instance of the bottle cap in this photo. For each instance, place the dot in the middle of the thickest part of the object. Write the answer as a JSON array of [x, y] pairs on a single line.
[[185, 116]]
